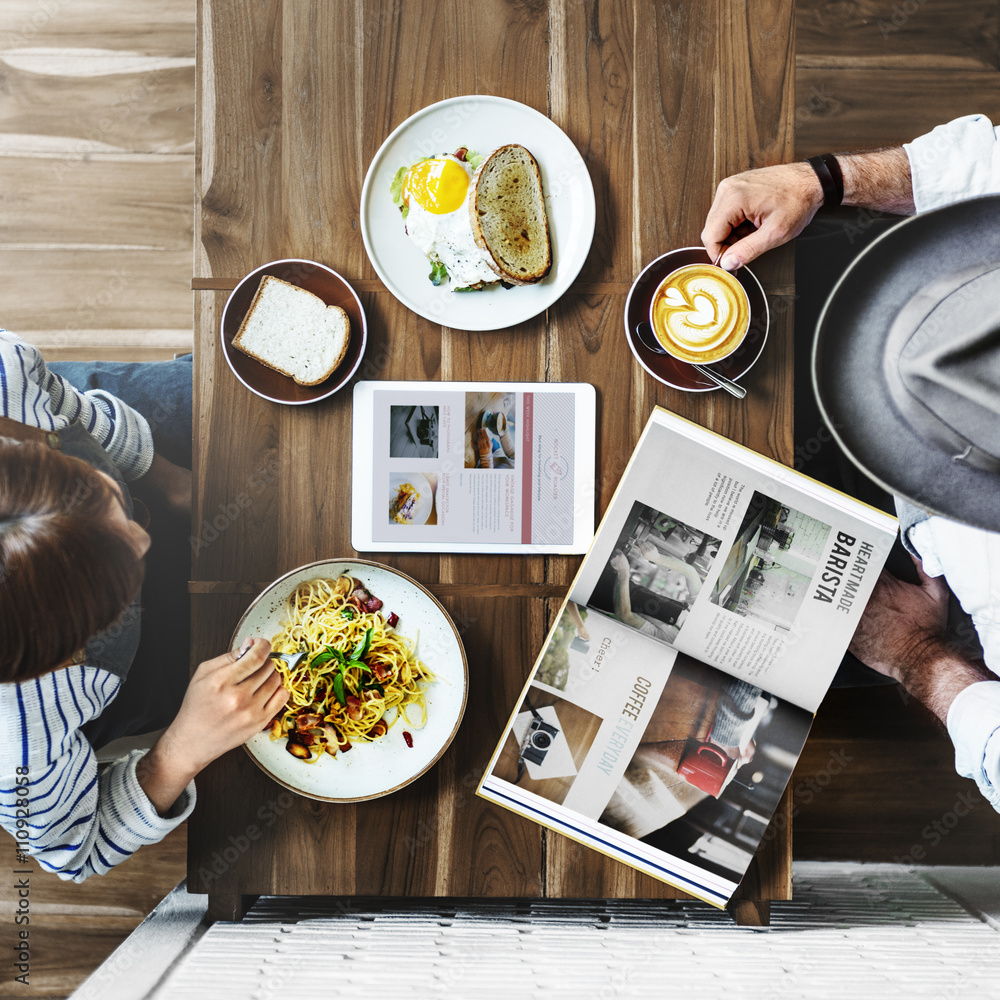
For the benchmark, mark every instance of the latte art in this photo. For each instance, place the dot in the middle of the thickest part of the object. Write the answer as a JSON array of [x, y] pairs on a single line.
[[700, 313]]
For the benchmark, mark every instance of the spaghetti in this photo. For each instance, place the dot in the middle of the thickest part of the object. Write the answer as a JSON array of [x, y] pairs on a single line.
[[358, 676]]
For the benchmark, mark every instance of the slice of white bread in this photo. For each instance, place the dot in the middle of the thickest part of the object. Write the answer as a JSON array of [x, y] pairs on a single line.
[[294, 332], [507, 212]]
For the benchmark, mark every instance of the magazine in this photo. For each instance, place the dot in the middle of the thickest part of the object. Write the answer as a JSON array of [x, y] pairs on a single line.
[[673, 695], [473, 467]]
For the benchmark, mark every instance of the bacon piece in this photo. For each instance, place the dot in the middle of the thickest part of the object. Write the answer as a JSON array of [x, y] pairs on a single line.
[[354, 707], [307, 720], [363, 599], [379, 729], [297, 749], [382, 671], [335, 736]]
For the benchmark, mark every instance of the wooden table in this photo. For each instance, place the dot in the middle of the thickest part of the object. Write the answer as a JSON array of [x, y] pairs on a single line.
[[662, 100]]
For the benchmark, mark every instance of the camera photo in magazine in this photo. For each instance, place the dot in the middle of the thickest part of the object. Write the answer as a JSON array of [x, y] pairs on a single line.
[[547, 743], [655, 572]]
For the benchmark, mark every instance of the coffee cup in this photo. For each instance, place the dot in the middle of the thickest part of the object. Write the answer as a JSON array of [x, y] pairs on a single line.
[[495, 421], [699, 313]]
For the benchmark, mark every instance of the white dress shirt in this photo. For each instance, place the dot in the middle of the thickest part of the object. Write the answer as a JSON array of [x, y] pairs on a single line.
[[956, 161]]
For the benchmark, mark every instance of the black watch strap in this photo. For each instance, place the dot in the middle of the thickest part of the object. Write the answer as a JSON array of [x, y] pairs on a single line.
[[830, 178]]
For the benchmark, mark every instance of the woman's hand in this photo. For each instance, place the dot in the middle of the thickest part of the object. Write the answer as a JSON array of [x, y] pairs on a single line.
[[229, 699]]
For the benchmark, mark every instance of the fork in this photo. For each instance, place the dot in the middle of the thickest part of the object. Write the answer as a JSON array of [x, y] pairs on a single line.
[[292, 660]]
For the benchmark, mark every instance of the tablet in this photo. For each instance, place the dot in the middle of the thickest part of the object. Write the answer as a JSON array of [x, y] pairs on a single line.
[[473, 467]]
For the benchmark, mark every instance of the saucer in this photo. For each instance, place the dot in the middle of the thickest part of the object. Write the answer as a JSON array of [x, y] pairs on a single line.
[[670, 370]]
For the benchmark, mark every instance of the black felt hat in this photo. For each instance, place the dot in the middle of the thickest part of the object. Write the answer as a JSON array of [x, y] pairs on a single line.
[[906, 361]]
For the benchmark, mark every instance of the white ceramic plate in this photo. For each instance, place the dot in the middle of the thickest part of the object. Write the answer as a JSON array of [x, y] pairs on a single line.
[[369, 770], [483, 124], [423, 507]]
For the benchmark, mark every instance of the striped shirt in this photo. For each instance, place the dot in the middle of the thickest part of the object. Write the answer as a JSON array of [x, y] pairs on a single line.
[[32, 394], [75, 819]]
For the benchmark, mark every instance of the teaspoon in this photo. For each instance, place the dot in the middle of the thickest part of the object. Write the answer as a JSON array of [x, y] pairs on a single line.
[[645, 334]]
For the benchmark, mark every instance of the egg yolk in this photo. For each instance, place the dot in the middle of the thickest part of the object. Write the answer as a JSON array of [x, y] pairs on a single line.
[[438, 186]]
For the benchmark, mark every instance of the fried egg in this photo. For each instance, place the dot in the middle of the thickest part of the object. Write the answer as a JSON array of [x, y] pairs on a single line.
[[436, 195]]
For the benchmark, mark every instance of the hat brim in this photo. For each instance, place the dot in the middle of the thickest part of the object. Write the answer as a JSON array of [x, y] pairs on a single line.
[[849, 346]]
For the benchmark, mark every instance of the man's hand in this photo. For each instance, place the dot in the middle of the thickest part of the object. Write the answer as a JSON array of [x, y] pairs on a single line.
[[170, 483], [227, 702], [779, 201], [619, 563], [902, 635], [648, 551], [902, 623]]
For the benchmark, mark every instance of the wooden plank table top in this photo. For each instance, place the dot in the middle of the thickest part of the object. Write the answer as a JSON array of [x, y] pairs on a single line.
[[294, 98]]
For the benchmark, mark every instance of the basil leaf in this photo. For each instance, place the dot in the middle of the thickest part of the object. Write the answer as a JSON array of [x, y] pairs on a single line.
[[338, 688], [348, 613], [361, 649], [325, 656]]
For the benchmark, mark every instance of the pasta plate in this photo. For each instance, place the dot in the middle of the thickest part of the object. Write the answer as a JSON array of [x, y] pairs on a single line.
[[369, 770]]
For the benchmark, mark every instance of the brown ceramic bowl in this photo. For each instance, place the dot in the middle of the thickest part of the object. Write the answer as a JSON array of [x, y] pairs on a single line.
[[334, 291]]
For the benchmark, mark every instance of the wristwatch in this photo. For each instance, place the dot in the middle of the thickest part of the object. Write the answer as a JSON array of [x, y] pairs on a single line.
[[830, 178]]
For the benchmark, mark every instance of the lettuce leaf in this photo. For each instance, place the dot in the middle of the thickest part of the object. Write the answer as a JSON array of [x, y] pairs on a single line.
[[396, 190], [473, 158], [439, 273]]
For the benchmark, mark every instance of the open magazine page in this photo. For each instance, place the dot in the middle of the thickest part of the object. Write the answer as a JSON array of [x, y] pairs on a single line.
[[735, 560], [646, 755]]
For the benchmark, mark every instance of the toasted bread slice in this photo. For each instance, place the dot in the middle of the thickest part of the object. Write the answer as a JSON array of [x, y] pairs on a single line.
[[294, 332], [507, 212]]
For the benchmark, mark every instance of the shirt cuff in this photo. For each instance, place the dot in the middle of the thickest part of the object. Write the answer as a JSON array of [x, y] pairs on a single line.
[[960, 159], [145, 811], [131, 443], [974, 727]]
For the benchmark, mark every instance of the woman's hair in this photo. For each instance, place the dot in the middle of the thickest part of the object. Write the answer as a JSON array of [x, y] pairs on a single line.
[[66, 572]]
